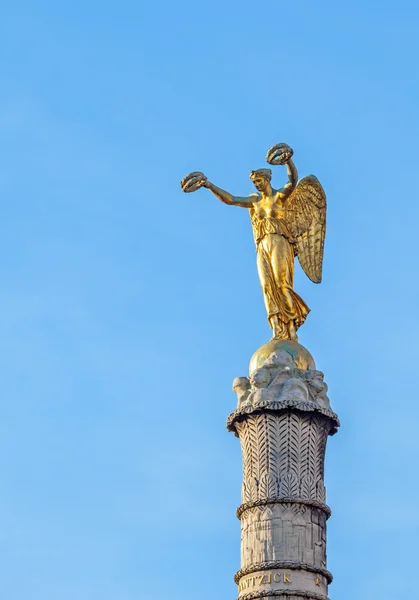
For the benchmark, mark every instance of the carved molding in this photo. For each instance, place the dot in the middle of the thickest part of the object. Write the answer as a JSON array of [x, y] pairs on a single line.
[[279, 405], [277, 564], [288, 592], [257, 503]]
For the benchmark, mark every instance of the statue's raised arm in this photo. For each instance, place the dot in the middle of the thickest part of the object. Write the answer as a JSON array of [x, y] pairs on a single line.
[[281, 154], [287, 222]]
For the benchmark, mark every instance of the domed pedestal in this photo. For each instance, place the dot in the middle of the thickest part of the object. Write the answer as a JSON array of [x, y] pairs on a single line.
[[301, 356]]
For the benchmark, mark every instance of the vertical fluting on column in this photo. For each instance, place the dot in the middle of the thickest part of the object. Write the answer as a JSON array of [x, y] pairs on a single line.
[[283, 512]]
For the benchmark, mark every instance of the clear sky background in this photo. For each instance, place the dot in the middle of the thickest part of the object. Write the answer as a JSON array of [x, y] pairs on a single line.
[[127, 307]]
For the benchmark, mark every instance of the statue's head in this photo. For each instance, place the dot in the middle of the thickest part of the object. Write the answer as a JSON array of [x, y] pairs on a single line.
[[281, 359], [261, 179], [317, 382], [241, 384], [261, 377]]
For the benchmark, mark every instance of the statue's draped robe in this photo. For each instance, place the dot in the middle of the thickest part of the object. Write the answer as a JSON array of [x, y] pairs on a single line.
[[275, 261]]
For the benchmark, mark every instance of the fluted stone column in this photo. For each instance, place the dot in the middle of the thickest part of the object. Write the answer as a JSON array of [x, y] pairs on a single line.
[[283, 420]]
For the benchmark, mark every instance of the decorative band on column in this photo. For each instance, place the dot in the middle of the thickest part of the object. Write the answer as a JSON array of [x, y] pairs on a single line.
[[287, 592], [264, 502], [277, 564]]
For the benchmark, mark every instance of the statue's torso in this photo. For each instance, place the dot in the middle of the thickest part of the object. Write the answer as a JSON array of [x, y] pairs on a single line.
[[272, 206], [268, 216]]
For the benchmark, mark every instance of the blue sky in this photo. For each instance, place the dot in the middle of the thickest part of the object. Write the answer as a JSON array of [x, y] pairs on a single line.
[[127, 307]]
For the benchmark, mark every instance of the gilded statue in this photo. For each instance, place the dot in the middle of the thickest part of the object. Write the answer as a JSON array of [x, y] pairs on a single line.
[[286, 223]]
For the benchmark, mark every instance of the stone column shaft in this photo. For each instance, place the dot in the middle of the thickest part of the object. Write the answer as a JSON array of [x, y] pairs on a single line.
[[283, 514]]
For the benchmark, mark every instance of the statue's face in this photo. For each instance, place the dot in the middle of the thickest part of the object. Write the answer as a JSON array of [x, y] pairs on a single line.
[[261, 183], [282, 359], [260, 378]]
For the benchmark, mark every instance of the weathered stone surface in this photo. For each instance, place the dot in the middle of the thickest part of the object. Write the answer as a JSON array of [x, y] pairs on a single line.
[[284, 532], [283, 420]]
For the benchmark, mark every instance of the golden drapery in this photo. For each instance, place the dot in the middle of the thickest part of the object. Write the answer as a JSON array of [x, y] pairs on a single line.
[[275, 262]]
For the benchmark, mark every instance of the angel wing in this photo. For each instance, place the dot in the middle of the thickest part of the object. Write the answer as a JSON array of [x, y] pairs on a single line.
[[306, 219]]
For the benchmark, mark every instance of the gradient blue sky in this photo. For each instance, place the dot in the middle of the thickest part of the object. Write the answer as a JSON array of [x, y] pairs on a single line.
[[127, 307]]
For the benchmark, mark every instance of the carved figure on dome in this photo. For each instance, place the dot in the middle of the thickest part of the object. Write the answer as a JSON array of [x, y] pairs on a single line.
[[279, 380], [317, 388], [241, 386]]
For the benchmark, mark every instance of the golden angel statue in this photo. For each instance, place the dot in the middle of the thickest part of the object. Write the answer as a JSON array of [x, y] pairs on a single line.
[[286, 223]]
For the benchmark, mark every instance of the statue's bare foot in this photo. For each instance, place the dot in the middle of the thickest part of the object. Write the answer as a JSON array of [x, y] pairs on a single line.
[[292, 332], [279, 334], [278, 331]]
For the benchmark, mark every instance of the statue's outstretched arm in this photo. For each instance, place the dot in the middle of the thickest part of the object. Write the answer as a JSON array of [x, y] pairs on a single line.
[[227, 198], [196, 180]]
